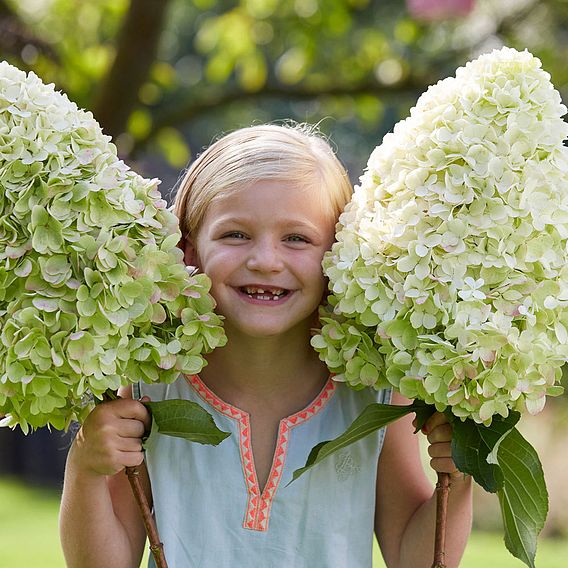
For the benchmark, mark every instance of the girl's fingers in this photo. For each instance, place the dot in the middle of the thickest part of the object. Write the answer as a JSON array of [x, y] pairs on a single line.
[[132, 429], [132, 459], [130, 445], [437, 419], [439, 433], [443, 465], [134, 409], [120, 461], [441, 455], [111, 437], [442, 433], [111, 460], [441, 450]]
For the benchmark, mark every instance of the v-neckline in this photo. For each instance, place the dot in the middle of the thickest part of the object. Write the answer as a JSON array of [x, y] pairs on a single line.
[[259, 503]]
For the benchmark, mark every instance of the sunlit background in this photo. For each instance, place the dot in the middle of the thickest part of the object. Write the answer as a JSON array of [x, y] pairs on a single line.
[[166, 77]]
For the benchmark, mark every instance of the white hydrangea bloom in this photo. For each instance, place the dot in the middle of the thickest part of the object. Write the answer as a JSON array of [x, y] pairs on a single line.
[[451, 261], [93, 290]]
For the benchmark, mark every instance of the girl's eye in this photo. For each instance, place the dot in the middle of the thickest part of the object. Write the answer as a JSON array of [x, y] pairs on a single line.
[[297, 239], [234, 235]]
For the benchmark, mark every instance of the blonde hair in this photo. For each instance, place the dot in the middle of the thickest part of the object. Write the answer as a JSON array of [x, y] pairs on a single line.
[[292, 153]]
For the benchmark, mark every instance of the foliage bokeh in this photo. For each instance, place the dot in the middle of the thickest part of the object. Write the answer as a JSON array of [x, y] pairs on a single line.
[[356, 65]]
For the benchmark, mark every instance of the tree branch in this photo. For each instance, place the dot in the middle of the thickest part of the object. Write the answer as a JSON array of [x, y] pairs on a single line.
[[136, 51], [211, 100]]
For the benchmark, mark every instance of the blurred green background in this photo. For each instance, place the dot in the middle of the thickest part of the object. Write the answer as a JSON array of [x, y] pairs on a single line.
[[29, 538], [166, 77]]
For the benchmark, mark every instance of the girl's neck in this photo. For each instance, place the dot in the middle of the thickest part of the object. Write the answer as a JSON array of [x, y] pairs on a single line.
[[249, 371]]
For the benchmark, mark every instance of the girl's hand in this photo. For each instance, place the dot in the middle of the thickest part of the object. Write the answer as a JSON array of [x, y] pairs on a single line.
[[439, 433], [111, 437]]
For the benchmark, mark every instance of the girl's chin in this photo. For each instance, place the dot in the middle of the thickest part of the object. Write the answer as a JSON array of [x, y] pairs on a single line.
[[262, 332], [263, 328]]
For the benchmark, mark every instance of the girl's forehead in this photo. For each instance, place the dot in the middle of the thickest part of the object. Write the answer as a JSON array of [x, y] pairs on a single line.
[[277, 194], [273, 200]]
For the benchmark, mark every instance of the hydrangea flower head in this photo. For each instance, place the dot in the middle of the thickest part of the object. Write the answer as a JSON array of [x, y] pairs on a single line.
[[93, 290], [449, 276]]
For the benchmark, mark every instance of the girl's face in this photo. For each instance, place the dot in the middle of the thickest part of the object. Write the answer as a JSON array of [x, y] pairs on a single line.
[[262, 247]]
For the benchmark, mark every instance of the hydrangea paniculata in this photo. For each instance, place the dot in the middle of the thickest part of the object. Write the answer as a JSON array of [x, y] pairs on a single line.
[[449, 276], [93, 290]]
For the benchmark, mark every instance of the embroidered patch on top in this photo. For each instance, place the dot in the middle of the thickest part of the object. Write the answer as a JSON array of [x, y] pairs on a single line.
[[345, 466]]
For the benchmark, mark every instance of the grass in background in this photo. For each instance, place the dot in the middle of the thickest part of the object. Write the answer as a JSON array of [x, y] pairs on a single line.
[[29, 536], [487, 550]]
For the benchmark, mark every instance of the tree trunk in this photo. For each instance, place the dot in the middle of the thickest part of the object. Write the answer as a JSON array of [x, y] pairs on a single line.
[[136, 51]]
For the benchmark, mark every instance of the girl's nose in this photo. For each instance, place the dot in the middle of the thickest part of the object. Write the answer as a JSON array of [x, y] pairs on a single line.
[[265, 257]]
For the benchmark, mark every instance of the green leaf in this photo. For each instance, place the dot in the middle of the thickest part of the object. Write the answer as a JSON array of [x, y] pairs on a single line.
[[185, 419], [472, 444], [523, 497], [373, 417], [423, 411]]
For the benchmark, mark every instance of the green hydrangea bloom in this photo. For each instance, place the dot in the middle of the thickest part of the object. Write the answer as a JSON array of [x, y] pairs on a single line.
[[449, 277], [93, 290]]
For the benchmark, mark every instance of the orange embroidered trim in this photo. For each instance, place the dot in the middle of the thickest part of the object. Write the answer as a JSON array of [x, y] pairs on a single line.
[[258, 505]]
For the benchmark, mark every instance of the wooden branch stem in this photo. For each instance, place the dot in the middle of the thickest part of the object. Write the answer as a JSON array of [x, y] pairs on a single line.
[[156, 547], [133, 473], [442, 493]]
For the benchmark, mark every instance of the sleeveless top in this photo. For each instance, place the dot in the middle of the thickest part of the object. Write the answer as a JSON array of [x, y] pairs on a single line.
[[211, 513]]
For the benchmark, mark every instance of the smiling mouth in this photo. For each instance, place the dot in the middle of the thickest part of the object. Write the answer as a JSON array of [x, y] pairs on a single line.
[[264, 294]]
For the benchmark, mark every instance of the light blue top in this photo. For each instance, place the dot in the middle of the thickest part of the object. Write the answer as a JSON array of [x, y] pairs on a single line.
[[211, 514]]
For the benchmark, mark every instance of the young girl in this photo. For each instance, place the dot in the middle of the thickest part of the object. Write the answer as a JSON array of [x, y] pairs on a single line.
[[258, 211]]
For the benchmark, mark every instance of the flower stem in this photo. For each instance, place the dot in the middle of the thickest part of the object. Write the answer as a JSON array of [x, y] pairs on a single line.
[[133, 473], [442, 493], [156, 547]]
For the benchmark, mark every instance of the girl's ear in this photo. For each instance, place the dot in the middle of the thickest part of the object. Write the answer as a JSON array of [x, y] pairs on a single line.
[[189, 252]]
